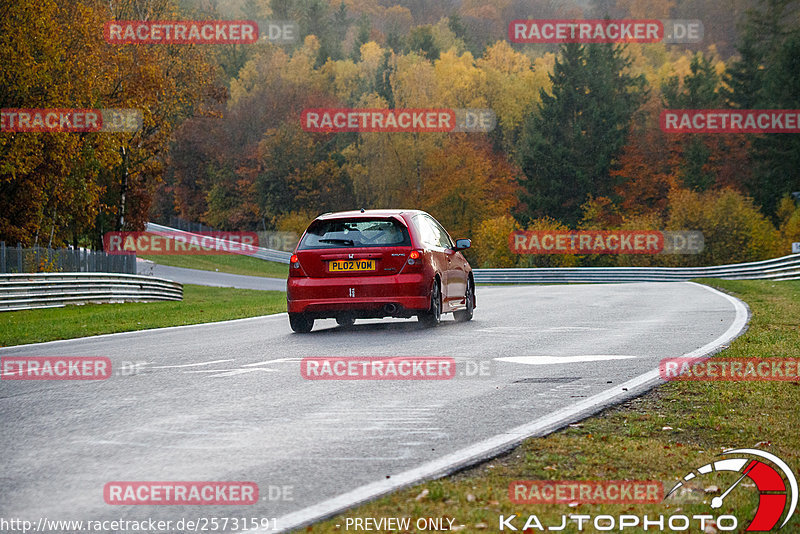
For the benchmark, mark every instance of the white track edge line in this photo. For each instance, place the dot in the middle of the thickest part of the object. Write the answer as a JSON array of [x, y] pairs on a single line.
[[502, 442]]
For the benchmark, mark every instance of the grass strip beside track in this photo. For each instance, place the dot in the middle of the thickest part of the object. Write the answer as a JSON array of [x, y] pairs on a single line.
[[200, 304]]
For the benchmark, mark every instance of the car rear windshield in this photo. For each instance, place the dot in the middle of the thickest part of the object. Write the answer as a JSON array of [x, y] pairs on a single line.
[[344, 233]]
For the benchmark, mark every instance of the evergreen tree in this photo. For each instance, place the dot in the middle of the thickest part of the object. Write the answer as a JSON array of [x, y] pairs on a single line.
[[281, 9], [314, 20], [395, 42], [744, 76], [568, 146], [456, 25], [767, 76], [383, 82], [421, 40], [339, 31], [701, 90], [362, 36]]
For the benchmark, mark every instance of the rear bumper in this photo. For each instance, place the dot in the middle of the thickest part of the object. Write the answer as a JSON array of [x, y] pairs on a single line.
[[329, 297]]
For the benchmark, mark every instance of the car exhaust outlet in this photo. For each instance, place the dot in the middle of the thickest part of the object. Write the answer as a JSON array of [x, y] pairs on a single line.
[[390, 308]]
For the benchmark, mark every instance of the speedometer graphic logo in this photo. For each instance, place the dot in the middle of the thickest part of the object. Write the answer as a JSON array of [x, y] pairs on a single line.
[[770, 481]]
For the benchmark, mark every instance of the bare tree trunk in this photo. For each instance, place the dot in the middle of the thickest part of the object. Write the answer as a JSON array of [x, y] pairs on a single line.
[[52, 229], [123, 189]]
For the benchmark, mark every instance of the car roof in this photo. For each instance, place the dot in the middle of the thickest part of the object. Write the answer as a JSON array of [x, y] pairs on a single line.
[[355, 214]]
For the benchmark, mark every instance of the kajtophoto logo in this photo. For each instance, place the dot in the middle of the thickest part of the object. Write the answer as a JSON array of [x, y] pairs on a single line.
[[770, 482], [775, 482]]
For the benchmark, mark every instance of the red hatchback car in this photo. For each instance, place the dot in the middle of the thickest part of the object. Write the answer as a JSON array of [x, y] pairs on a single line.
[[378, 263]]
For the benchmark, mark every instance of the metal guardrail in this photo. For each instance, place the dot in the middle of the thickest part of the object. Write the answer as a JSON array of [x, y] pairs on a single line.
[[268, 254], [53, 290], [784, 268]]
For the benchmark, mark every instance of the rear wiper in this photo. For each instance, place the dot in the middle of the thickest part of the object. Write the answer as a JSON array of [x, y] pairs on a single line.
[[342, 241]]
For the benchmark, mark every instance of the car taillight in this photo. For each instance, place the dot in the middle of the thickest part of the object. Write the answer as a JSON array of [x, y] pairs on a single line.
[[294, 261], [414, 257]]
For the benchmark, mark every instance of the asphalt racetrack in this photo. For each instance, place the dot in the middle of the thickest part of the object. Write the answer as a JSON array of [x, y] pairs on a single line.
[[227, 402]]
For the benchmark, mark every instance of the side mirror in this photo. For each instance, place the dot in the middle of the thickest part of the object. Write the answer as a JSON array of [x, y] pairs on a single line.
[[462, 244]]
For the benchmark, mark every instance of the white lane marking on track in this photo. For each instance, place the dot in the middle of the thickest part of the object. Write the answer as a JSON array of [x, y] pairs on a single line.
[[230, 372], [572, 328], [553, 360], [279, 360], [234, 372], [502, 442], [208, 371], [499, 329], [188, 364]]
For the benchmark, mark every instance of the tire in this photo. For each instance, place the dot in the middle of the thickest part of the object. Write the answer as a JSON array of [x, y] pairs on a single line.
[[346, 321], [463, 316], [301, 323], [433, 316]]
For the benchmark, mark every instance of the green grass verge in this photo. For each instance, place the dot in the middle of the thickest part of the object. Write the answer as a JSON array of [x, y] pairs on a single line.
[[225, 263], [659, 436], [200, 304]]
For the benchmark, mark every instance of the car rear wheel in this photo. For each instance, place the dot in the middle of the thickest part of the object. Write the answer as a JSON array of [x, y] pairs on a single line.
[[462, 316], [433, 316], [346, 321], [301, 323]]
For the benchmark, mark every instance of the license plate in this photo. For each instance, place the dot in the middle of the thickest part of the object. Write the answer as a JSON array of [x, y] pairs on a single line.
[[343, 266]]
